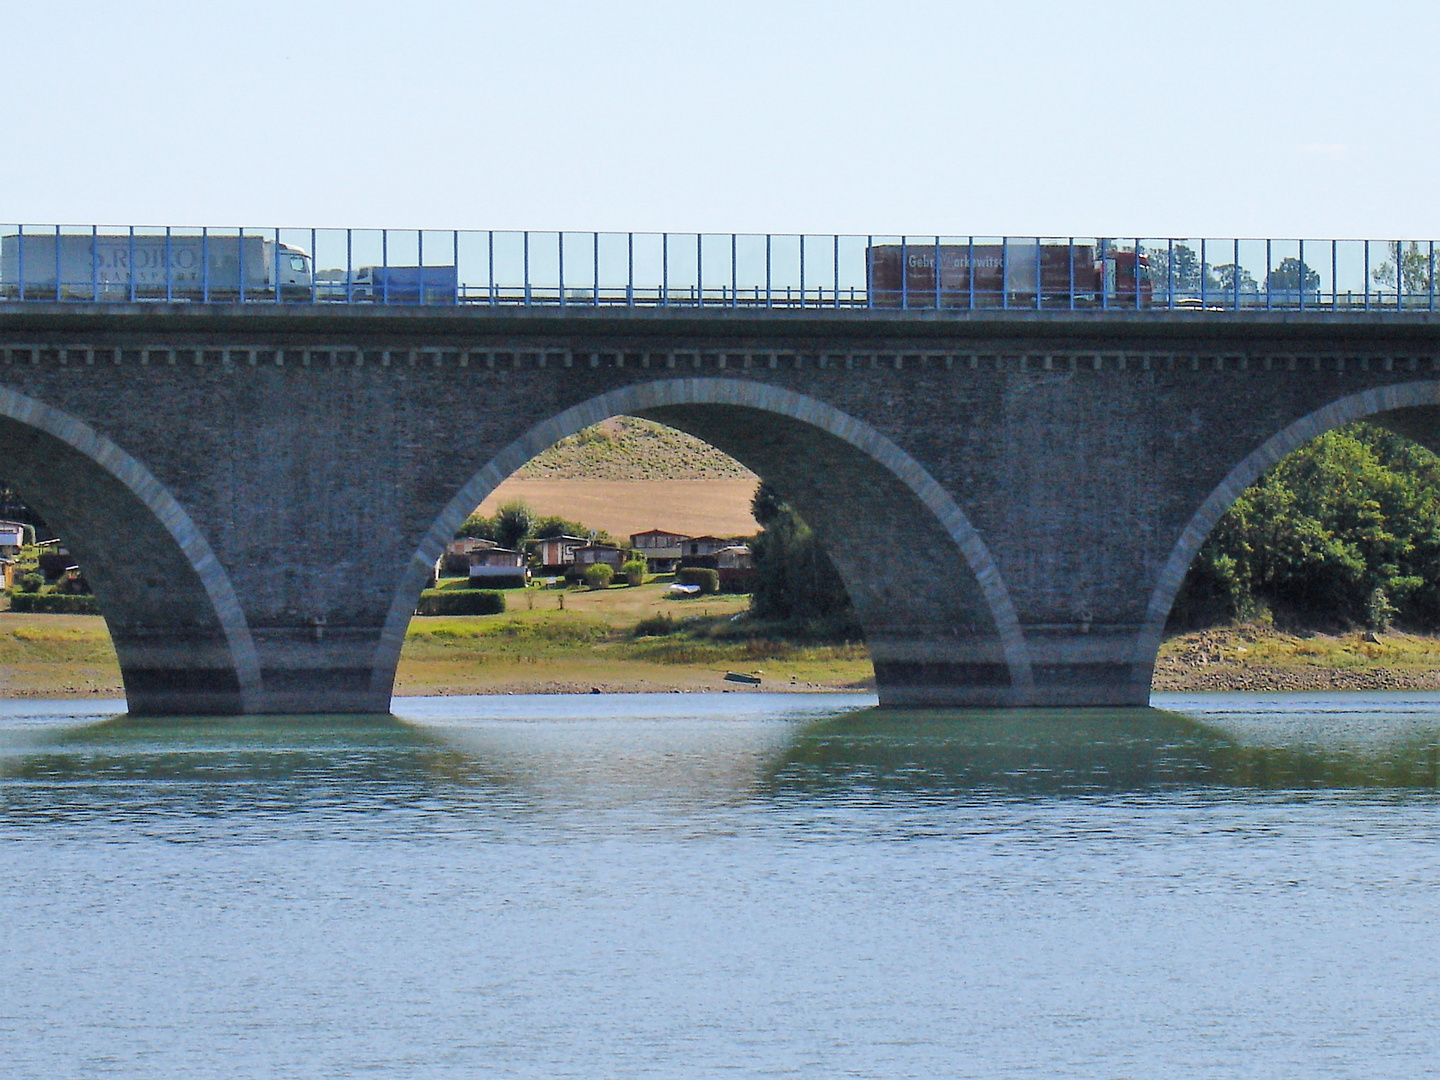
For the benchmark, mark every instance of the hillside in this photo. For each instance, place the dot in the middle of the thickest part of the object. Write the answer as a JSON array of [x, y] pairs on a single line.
[[629, 448]]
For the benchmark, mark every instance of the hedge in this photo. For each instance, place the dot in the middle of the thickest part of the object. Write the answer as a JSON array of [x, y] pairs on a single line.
[[708, 580], [460, 602], [53, 604]]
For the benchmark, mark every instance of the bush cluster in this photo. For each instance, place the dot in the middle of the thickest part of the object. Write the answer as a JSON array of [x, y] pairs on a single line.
[[460, 602], [633, 572], [707, 579], [599, 575], [53, 603], [1344, 530]]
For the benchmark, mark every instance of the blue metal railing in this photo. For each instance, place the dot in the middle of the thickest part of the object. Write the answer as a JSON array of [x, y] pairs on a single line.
[[724, 270]]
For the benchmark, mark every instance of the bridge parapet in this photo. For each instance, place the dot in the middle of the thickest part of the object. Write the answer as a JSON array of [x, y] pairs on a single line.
[[759, 273]]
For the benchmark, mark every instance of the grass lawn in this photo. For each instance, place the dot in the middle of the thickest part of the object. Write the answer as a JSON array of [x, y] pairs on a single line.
[[535, 647]]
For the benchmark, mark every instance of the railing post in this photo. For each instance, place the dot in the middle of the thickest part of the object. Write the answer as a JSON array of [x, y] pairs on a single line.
[[734, 272], [1236, 274], [1072, 273], [630, 270], [1302, 275], [57, 262], [1170, 274], [835, 265], [904, 274], [970, 270], [1204, 269], [1039, 278], [455, 262], [595, 290], [384, 269], [130, 268], [95, 262], [20, 260], [491, 235], [205, 264], [768, 301], [276, 267], [937, 273], [1269, 269], [699, 269], [560, 262], [525, 248], [802, 270], [869, 272], [664, 269], [1135, 273]]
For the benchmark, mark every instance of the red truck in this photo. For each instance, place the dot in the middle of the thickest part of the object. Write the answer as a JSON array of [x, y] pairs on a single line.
[[1005, 275]]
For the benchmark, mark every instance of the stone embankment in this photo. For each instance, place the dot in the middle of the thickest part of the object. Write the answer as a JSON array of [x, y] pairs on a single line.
[[1258, 658]]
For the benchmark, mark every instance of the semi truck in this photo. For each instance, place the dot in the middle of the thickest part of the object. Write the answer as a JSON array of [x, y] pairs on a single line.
[[1006, 275], [121, 267]]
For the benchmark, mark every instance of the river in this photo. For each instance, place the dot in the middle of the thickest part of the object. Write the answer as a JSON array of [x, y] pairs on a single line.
[[727, 885]]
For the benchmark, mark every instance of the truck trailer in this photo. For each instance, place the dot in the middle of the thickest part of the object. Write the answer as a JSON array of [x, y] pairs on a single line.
[[1006, 275], [123, 267], [406, 285]]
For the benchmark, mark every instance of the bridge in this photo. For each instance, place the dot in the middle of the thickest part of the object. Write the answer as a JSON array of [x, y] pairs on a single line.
[[1011, 468]]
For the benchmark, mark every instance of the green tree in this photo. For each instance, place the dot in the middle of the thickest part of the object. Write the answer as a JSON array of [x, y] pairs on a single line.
[[1346, 529], [1294, 276], [1415, 269], [795, 579], [1228, 274]]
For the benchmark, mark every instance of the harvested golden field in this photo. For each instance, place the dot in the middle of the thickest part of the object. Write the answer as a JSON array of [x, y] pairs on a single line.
[[622, 507]]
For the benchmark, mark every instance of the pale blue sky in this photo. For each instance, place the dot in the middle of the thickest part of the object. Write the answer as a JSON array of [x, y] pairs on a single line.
[[1289, 119]]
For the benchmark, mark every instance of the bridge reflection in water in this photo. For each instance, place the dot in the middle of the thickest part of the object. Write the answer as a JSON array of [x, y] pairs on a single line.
[[573, 757]]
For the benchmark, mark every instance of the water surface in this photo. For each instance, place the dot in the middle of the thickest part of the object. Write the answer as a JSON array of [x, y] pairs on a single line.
[[723, 885]]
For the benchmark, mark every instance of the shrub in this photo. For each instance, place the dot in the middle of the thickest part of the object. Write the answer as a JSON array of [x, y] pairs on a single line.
[[53, 604], [708, 580], [655, 626], [516, 580], [599, 575], [31, 583], [460, 602], [634, 571]]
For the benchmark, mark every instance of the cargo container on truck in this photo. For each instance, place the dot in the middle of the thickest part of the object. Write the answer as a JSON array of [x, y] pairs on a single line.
[[405, 285], [121, 267], [1006, 275]]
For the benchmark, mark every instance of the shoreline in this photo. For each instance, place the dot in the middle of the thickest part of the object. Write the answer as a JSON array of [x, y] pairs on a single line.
[[69, 657]]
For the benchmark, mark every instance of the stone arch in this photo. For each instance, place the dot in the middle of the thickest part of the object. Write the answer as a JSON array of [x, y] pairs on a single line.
[[182, 639], [1411, 409], [991, 660]]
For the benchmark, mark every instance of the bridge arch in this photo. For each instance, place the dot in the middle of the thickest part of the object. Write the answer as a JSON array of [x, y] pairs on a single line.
[[181, 637], [1411, 409], [960, 641]]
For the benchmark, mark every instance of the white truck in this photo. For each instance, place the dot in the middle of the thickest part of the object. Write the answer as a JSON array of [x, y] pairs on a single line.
[[121, 267]]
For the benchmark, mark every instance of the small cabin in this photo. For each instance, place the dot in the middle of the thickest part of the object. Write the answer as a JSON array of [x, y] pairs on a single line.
[[12, 537], [661, 550], [498, 568], [590, 554], [556, 554], [456, 558], [701, 551]]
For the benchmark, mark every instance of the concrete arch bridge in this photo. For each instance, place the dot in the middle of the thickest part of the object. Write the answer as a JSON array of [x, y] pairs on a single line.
[[257, 492]]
